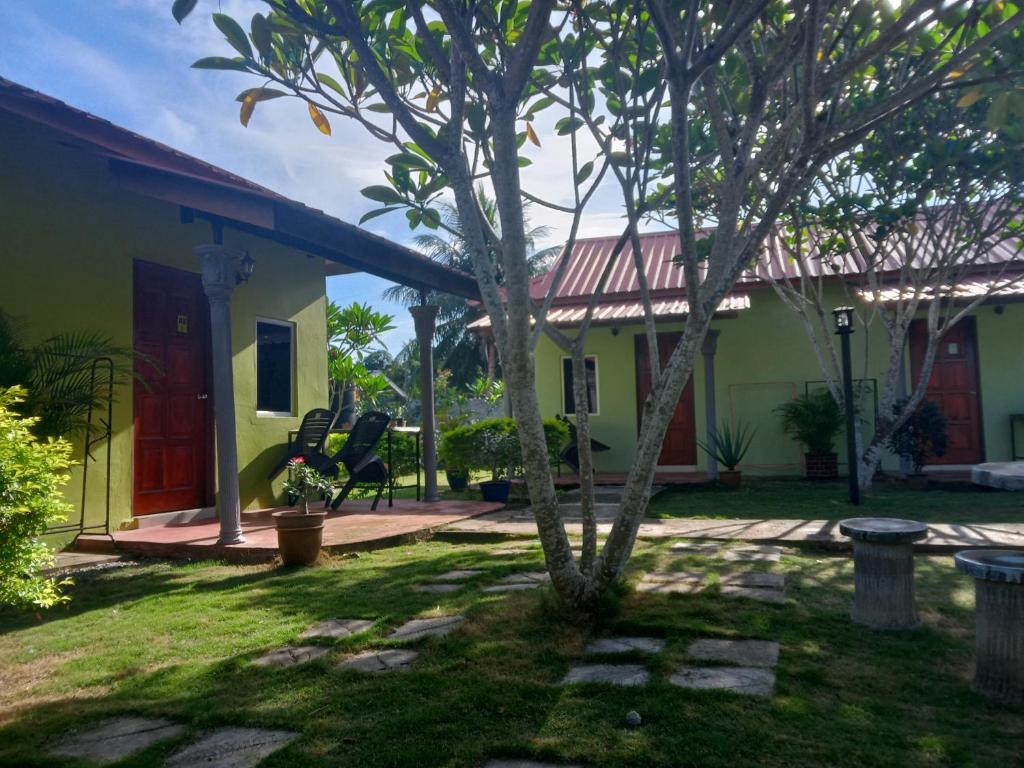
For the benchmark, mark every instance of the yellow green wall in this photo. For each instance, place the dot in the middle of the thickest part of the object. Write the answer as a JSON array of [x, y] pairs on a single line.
[[763, 359], [68, 238]]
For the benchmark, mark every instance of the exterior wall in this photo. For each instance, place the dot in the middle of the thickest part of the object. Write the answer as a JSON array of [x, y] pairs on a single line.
[[764, 359], [68, 238]]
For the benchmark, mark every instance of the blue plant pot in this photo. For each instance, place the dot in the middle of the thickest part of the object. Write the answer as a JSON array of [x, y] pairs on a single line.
[[456, 482], [496, 490]]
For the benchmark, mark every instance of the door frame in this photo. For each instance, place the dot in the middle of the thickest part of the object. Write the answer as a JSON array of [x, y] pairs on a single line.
[[639, 343], [209, 490]]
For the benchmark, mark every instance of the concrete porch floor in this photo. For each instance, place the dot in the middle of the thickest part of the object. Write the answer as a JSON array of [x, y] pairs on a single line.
[[353, 527]]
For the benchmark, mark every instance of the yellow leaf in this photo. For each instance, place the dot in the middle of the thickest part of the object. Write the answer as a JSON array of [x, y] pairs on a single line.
[[955, 74], [821, 54], [432, 98], [969, 98], [532, 135], [319, 119], [248, 105]]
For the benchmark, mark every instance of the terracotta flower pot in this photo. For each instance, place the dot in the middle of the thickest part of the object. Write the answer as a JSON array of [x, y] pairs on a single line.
[[730, 478], [299, 535], [822, 466]]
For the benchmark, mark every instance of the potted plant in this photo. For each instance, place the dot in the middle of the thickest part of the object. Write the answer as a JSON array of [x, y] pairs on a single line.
[[922, 435], [730, 445], [300, 533], [456, 453], [497, 449], [814, 420]]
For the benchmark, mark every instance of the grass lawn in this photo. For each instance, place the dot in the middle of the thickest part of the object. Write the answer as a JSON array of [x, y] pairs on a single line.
[[767, 499], [176, 641]]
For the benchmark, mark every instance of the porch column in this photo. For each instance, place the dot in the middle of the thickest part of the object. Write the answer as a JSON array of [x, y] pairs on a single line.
[[424, 317], [219, 267], [708, 350]]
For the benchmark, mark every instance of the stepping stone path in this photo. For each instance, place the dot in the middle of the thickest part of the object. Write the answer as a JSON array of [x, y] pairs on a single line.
[[671, 582], [290, 656], [695, 548], [517, 582], [515, 551], [743, 653], [437, 626], [625, 645], [613, 674], [768, 553], [337, 629], [749, 681], [111, 741], [231, 748], [389, 660], [451, 576], [765, 587], [437, 588]]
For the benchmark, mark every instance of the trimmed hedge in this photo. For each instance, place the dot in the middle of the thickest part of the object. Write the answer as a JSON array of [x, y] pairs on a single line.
[[463, 449]]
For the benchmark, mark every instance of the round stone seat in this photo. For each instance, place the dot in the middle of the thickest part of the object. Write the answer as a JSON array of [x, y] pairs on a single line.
[[999, 621], [883, 569]]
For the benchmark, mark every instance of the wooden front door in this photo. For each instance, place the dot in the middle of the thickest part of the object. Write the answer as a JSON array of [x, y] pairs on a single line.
[[953, 387], [172, 436], [680, 445]]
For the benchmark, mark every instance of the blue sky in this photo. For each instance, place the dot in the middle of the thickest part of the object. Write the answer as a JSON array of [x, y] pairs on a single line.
[[129, 62]]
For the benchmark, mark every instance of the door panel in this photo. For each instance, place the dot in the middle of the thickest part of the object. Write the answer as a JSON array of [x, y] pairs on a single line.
[[680, 445], [172, 436], [954, 387]]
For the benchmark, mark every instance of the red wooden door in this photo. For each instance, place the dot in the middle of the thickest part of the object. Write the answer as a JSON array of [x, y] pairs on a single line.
[[680, 445], [954, 387], [172, 445]]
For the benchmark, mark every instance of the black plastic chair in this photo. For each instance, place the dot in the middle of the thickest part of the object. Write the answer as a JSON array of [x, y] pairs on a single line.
[[363, 466], [571, 453], [310, 441]]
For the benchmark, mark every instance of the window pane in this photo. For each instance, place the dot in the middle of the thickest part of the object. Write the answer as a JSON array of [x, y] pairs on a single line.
[[568, 400], [273, 367]]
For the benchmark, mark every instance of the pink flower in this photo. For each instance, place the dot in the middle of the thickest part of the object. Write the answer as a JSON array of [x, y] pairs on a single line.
[[298, 460]]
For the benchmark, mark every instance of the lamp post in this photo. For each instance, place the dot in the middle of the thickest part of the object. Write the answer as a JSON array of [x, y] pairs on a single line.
[[844, 327]]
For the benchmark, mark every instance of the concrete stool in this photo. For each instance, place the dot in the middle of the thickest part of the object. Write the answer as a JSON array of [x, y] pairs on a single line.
[[999, 623], [883, 566]]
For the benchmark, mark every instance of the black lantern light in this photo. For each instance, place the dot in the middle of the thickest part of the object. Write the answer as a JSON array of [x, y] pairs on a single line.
[[245, 269], [844, 327]]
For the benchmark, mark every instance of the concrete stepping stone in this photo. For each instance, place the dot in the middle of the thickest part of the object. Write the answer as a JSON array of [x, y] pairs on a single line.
[[695, 548], [389, 660], [458, 575], [768, 553], [290, 656], [625, 645], [436, 626], [231, 748], [110, 741], [755, 579], [497, 588], [525, 764], [337, 629], [515, 551], [761, 594], [747, 681], [671, 582], [612, 674], [437, 588], [743, 653], [526, 577]]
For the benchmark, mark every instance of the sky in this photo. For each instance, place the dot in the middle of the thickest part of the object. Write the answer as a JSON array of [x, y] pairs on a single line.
[[129, 62]]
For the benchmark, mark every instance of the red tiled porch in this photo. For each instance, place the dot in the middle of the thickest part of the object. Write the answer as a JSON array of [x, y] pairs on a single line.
[[352, 528]]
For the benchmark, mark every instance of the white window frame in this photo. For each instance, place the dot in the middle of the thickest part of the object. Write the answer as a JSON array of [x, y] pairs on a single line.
[[597, 384], [291, 366]]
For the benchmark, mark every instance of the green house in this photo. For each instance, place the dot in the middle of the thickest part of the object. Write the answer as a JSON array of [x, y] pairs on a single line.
[[760, 357]]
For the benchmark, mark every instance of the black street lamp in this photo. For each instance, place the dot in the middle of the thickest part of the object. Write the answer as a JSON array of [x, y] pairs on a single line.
[[844, 327]]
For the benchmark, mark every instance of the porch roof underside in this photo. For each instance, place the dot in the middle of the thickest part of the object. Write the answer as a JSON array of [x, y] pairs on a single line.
[[147, 167]]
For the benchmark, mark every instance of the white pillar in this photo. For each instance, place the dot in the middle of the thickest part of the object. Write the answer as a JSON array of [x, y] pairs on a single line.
[[220, 267], [708, 349], [424, 318]]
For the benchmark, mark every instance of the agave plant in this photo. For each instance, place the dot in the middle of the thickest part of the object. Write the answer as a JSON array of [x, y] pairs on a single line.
[[730, 444]]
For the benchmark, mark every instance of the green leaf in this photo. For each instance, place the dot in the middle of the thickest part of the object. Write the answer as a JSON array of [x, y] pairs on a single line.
[[182, 8], [409, 160], [382, 194], [381, 108], [525, 161], [262, 37], [431, 218], [330, 82], [220, 62], [234, 34], [584, 173], [567, 125], [378, 212]]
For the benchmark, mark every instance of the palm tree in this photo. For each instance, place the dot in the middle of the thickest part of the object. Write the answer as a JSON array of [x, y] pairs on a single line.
[[457, 349]]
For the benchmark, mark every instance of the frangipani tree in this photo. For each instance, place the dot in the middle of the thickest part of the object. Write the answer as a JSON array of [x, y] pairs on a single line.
[[699, 111]]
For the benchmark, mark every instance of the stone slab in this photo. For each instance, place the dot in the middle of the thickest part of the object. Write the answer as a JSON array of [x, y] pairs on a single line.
[[625, 645], [754, 553], [111, 741], [755, 579], [671, 583], [1004, 565], [883, 530], [761, 594], [457, 575], [231, 748], [515, 551], [612, 674], [747, 681], [290, 656], [697, 576], [436, 626], [498, 588], [437, 588], [337, 629], [695, 548], [1005, 475], [526, 577], [388, 660], [743, 653]]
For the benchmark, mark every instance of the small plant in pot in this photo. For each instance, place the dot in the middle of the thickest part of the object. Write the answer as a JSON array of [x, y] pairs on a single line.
[[456, 453], [922, 435], [815, 420], [498, 449], [300, 532], [728, 448]]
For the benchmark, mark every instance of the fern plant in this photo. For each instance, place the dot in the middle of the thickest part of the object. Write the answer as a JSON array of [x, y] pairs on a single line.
[[731, 444], [814, 420]]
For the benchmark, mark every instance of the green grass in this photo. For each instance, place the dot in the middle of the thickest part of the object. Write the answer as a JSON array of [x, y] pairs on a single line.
[[175, 641], [766, 499]]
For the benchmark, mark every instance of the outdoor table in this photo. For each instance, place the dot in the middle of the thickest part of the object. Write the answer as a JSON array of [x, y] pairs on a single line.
[[999, 620], [883, 566]]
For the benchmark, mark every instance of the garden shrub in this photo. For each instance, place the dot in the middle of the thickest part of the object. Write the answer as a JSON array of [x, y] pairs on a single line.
[[31, 476], [466, 447], [403, 452]]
